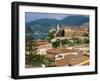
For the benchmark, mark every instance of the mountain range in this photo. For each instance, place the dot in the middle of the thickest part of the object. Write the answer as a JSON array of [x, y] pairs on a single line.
[[45, 24]]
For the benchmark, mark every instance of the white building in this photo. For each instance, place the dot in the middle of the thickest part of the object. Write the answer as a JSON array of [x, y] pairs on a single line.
[[43, 46]]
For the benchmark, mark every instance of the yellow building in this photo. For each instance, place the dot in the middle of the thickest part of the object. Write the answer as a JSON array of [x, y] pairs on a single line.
[[75, 31]]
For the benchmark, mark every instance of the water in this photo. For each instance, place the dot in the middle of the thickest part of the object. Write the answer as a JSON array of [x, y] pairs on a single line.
[[38, 36]]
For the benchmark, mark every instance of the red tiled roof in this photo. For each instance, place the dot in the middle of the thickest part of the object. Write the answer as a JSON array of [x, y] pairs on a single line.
[[72, 60], [38, 43], [59, 50]]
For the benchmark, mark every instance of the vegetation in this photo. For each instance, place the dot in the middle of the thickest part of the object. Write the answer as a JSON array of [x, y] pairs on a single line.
[[71, 42], [86, 41], [56, 43], [32, 57], [62, 33], [63, 42], [77, 41], [49, 62], [51, 34], [86, 34], [66, 41]]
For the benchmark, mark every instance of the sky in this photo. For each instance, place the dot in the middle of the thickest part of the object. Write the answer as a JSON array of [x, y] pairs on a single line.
[[31, 16]]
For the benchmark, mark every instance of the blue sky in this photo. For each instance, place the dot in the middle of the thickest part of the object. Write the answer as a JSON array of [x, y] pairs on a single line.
[[31, 16]]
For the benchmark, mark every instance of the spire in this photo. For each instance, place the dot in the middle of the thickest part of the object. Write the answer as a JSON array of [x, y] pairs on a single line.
[[58, 27]]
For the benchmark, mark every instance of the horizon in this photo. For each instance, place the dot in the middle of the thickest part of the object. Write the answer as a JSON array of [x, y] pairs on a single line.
[[32, 16]]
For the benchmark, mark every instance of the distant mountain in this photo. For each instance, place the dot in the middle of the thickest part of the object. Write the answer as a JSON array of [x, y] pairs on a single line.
[[86, 24], [74, 20], [45, 24]]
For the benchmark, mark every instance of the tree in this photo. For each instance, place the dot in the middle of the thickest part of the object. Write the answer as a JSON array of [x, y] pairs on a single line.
[[77, 41], [65, 41], [86, 35], [86, 41], [51, 34], [32, 57], [62, 33], [56, 43]]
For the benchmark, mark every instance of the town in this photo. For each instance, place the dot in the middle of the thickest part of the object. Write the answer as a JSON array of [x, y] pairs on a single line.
[[63, 46]]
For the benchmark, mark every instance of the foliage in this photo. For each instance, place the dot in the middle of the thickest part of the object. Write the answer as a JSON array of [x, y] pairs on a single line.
[[60, 33], [56, 43], [86, 41], [51, 34], [32, 57], [86, 35], [65, 41], [77, 41]]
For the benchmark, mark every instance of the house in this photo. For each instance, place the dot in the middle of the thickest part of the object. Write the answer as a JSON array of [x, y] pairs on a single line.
[[75, 31], [84, 48], [66, 57], [43, 46], [70, 31], [73, 60], [58, 54], [77, 60]]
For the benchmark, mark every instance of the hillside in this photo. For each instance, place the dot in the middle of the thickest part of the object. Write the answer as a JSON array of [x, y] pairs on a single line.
[[45, 24]]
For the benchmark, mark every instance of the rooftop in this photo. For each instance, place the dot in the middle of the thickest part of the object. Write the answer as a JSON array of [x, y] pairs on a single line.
[[59, 51], [40, 42], [73, 60], [77, 29], [76, 59]]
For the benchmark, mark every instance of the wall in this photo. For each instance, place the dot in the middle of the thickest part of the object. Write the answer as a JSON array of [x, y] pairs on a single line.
[[5, 40]]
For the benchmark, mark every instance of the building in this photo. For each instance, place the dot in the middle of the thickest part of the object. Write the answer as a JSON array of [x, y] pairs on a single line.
[[84, 49], [43, 46], [70, 32], [73, 60], [75, 31], [66, 57], [58, 55]]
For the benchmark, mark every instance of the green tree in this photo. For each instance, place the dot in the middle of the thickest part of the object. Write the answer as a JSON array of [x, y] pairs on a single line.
[[62, 33], [32, 57], [51, 34], [86, 35], [77, 41], [56, 43], [65, 41], [86, 41]]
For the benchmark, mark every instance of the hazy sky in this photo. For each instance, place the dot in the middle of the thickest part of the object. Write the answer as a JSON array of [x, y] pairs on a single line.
[[31, 16]]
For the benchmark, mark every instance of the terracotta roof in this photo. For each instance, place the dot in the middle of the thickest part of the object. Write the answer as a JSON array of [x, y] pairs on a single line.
[[61, 62], [76, 59], [59, 50], [38, 43], [78, 29], [50, 56], [72, 60]]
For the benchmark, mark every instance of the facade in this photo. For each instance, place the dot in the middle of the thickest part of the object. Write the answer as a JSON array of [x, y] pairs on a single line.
[[71, 31], [83, 48], [75, 31], [43, 46]]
